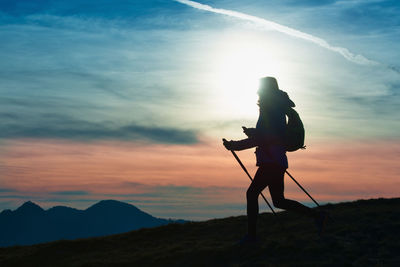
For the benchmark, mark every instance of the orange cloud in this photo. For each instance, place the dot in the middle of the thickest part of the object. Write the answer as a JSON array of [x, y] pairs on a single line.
[[201, 174]]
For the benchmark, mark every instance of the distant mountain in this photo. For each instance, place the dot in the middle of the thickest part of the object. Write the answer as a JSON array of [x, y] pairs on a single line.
[[30, 224], [361, 233]]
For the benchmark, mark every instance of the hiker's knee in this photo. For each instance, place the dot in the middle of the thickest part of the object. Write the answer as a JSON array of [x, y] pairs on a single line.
[[278, 202]]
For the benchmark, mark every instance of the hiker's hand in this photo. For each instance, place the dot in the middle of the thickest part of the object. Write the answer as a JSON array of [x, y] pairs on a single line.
[[289, 110], [228, 144], [240, 144], [250, 132]]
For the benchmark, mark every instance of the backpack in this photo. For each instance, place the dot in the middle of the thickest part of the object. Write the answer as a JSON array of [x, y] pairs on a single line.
[[294, 134]]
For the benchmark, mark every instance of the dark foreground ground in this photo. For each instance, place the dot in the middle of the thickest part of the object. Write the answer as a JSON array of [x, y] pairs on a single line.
[[363, 233]]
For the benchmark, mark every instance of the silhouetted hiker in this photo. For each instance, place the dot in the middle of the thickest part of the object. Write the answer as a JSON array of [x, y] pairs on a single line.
[[272, 162]]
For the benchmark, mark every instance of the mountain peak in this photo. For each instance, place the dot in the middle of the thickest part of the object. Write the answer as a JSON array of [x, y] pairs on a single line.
[[29, 206], [30, 224], [109, 203]]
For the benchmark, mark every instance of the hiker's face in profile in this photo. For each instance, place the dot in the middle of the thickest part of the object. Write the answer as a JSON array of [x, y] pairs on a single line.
[[265, 98]]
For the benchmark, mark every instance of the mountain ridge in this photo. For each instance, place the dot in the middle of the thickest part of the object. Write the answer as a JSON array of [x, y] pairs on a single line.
[[362, 233], [30, 224], [29, 206]]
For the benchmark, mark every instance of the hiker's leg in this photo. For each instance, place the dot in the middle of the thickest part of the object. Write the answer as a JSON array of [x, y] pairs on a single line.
[[260, 181], [276, 189]]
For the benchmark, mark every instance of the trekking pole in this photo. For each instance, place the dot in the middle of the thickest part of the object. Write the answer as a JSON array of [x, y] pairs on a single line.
[[245, 170], [303, 189]]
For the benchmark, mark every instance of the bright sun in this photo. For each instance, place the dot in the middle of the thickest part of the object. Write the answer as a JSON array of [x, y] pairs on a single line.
[[239, 64]]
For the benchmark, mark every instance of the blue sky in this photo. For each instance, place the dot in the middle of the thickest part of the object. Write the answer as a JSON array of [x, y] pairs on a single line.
[[94, 61], [161, 72]]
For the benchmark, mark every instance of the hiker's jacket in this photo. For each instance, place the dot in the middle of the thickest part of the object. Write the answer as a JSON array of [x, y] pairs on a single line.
[[268, 138]]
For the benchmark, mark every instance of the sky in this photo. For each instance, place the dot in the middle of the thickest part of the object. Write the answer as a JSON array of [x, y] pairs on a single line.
[[129, 100]]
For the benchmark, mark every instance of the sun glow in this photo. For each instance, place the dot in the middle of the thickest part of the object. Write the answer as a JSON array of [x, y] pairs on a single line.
[[240, 63]]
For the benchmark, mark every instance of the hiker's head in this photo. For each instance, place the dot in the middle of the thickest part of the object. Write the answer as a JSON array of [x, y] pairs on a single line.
[[271, 96], [267, 86]]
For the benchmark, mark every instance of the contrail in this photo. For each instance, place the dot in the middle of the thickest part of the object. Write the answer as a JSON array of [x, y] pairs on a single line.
[[358, 59]]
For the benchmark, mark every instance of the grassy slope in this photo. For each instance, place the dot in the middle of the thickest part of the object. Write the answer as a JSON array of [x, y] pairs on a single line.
[[363, 233]]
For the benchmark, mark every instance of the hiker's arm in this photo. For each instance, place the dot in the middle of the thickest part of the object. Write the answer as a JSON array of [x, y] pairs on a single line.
[[269, 140], [241, 144], [262, 138]]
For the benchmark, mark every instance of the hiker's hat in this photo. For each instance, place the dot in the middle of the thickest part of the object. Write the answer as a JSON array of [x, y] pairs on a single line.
[[269, 87]]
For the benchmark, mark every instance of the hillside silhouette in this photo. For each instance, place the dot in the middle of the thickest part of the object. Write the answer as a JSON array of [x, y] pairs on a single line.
[[362, 233], [30, 224]]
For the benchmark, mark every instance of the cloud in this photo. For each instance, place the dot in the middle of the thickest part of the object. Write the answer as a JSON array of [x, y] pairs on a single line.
[[97, 70], [270, 25], [18, 197], [71, 193], [58, 126], [7, 190], [177, 192], [86, 78]]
